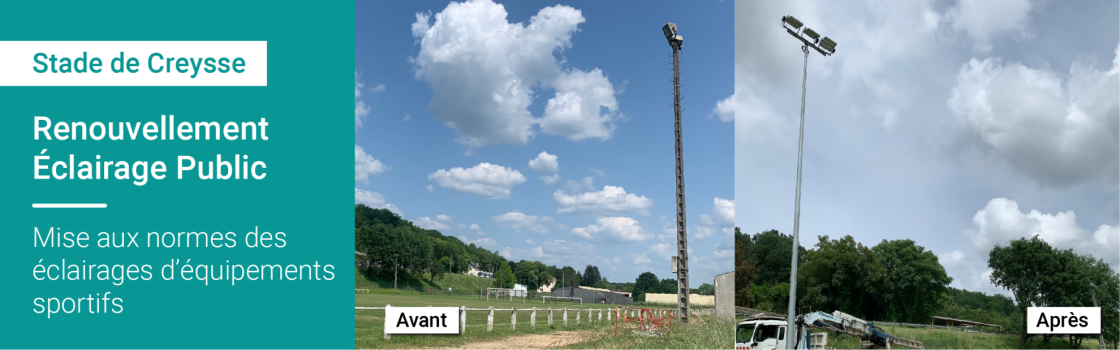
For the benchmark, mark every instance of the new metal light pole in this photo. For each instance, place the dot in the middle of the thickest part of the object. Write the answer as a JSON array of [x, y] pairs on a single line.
[[676, 41], [826, 47]]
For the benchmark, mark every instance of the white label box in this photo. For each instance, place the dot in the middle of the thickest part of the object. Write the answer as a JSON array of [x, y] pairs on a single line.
[[1063, 320], [421, 320]]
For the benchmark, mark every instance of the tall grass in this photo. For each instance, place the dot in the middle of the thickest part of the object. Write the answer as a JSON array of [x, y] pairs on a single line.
[[703, 333]]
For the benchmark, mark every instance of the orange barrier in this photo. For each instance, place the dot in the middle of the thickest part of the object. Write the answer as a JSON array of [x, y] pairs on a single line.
[[643, 319]]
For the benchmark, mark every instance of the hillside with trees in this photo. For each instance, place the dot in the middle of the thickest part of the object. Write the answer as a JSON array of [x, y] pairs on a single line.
[[428, 254]]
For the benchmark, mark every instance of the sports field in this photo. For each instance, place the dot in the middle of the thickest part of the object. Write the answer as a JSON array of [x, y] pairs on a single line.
[[705, 333]]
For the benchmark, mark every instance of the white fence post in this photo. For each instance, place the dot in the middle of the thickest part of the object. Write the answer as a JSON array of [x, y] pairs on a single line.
[[565, 317], [490, 320], [549, 317], [387, 335], [577, 316], [462, 320], [513, 319], [600, 315], [589, 316], [609, 313], [533, 318]]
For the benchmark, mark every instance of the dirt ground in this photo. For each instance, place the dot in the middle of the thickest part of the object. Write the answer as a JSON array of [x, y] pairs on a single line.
[[533, 341]]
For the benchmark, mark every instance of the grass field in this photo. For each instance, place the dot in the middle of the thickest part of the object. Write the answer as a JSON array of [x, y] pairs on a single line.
[[420, 283], [369, 326], [933, 338]]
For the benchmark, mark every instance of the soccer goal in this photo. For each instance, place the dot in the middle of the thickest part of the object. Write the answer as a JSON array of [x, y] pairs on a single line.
[[504, 293]]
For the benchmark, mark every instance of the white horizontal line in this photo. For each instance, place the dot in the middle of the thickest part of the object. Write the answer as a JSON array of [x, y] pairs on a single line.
[[68, 205]]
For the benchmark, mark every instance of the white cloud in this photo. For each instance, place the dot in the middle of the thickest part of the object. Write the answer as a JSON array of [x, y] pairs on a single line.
[[984, 20], [725, 109], [406, 117], [613, 229], [443, 218], [361, 110], [485, 242], [373, 200], [724, 210], [430, 189], [519, 221], [1057, 132], [548, 180], [486, 180], [639, 259], [702, 232], [483, 70], [378, 88], [545, 163], [476, 229], [706, 219], [427, 223], [611, 200], [529, 241], [554, 252], [365, 165], [588, 183], [595, 171], [575, 111]]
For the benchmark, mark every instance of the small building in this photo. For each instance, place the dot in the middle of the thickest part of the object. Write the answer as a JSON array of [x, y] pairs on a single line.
[[594, 295], [519, 290], [473, 270], [547, 288], [725, 295], [359, 259]]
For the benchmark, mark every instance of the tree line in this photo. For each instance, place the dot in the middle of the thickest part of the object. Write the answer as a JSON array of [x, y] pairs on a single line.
[[386, 239], [896, 281], [900, 281]]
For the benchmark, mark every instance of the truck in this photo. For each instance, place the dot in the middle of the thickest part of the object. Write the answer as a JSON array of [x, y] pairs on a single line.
[[766, 332]]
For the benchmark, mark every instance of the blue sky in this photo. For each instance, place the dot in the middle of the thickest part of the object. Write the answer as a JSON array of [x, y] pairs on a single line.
[[959, 124], [544, 131]]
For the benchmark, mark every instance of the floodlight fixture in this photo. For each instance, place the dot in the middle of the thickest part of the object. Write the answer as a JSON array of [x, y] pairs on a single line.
[[809, 37], [793, 22], [811, 33], [670, 30], [828, 45]]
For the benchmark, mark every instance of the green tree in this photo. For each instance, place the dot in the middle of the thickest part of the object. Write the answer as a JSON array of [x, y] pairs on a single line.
[[1025, 267], [532, 274], [505, 278], [666, 286], [841, 275], [590, 276], [772, 252], [568, 277], [646, 281], [745, 273], [913, 283], [705, 289]]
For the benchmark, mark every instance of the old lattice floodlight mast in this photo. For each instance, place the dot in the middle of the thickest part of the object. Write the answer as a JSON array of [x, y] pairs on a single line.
[[676, 41], [826, 47]]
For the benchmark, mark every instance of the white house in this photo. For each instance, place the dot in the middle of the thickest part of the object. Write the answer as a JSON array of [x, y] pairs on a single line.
[[520, 290]]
